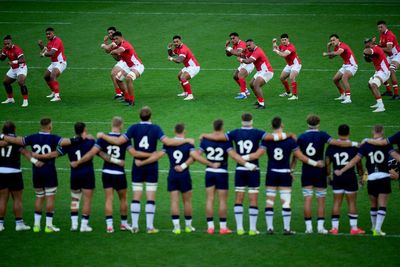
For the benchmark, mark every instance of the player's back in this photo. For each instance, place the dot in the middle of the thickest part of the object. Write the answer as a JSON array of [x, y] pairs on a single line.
[[43, 143], [10, 158], [114, 151], [178, 154], [376, 159], [76, 151], [312, 144], [340, 156], [216, 152], [279, 153], [145, 136]]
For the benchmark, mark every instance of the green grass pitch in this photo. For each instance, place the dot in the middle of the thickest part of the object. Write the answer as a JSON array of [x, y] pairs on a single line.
[[87, 92]]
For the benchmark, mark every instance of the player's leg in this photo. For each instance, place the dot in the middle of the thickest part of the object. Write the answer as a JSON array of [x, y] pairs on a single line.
[[39, 202], [238, 208], [235, 77], [257, 84], [394, 65], [336, 80], [210, 193], [184, 93], [373, 199], [50, 84], [353, 214], [345, 80], [269, 208], [337, 203], [137, 188], [118, 90], [76, 195], [151, 189], [184, 78], [286, 195], [320, 193], [24, 89], [241, 80], [293, 75], [374, 84], [4, 194], [9, 78], [50, 194], [16, 188], [130, 77], [108, 209], [308, 196], [284, 76], [123, 210], [86, 209], [222, 211], [53, 83], [174, 199], [253, 210], [382, 204], [187, 211]]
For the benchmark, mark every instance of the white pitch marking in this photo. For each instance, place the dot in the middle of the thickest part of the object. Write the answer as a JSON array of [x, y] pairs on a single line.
[[35, 22]]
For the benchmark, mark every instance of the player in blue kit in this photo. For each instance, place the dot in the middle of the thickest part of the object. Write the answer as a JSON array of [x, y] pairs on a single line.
[[179, 180], [44, 178], [312, 144], [379, 186], [145, 136], [11, 182], [216, 179], [346, 184], [279, 174]]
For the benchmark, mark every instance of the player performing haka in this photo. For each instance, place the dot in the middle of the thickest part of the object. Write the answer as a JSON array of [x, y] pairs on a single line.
[[178, 52], [17, 72], [54, 50], [237, 47], [293, 65]]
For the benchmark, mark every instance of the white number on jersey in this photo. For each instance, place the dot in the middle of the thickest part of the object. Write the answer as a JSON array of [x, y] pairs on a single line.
[[245, 146], [278, 153], [310, 150], [144, 143], [42, 149], [376, 157], [78, 155], [215, 153], [4, 153], [114, 151], [178, 155], [341, 158]]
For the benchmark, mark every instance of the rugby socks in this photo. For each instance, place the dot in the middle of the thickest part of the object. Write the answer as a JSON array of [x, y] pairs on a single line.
[[49, 218], [175, 221], [210, 222], [287, 216], [387, 86], [18, 221], [84, 220], [353, 220], [9, 90], [127, 96], [74, 219], [238, 210], [188, 221], [24, 92], [135, 211], [260, 100], [340, 89], [124, 219], [373, 213], [253, 213], [286, 85], [109, 222], [380, 218], [308, 222], [186, 86], [242, 84], [118, 91], [294, 88], [150, 210], [347, 92], [55, 87], [269, 218], [222, 223], [320, 223], [395, 88], [37, 218], [335, 221]]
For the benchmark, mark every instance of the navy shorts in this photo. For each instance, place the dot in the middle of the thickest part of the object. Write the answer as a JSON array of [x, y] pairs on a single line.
[[11, 181], [380, 186], [115, 181], [314, 181], [45, 178], [247, 178], [217, 179], [179, 181], [83, 181], [277, 179], [147, 173], [344, 184]]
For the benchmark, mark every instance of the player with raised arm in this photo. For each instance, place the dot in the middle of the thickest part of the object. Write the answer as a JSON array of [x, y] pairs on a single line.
[[348, 69], [54, 50], [379, 186], [178, 52], [45, 180], [11, 182], [279, 174], [17, 72], [131, 68], [145, 136], [388, 42], [293, 65], [375, 54], [264, 70], [312, 144], [345, 184], [236, 47]]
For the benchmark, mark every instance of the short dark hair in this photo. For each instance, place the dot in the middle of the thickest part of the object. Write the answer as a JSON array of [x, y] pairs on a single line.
[[79, 128], [276, 123], [378, 128], [313, 120], [145, 113], [343, 130], [112, 28], [233, 34], [284, 35], [177, 37], [247, 117], [49, 29], [179, 128], [117, 33], [7, 37], [45, 122], [218, 125], [9, 127], [249, 40], [334, 35], [381, 22]]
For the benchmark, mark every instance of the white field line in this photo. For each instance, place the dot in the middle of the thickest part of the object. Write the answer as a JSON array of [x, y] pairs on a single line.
[[35, 23], [197, 14]]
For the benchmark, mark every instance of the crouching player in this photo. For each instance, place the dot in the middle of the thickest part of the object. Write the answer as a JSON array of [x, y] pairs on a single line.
[[345, 184]]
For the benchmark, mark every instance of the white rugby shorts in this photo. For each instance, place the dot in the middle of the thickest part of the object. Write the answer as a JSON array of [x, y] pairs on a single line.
[[14, 73], [61, 66], [266, 75], [348, 68]]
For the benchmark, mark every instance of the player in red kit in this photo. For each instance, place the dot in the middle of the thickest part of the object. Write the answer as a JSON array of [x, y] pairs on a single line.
[[17, 72], [264, 70], [348, 69], [235, 46], [54, 50], [375, 54], [293, 65], [178, 52], [388, 42], [131, 68]]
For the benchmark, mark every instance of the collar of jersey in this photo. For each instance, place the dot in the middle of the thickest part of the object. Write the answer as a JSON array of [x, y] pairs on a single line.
[[44, 133], [145, 122]]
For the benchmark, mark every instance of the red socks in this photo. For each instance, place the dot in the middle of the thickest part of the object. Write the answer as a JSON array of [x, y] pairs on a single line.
[[242, 84], [294, 88], [186, 87], [286, 85], [54, 86]]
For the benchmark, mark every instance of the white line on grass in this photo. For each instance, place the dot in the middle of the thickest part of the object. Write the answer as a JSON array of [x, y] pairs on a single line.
[[35, 23]]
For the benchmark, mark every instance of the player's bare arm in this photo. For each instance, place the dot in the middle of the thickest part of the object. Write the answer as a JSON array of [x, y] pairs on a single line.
[[250, 166], [138, 154], [360, 169], [183, 166], [395, 155], [197, 157], [293, 163], [375, 142], [2, 57], [88, 156], [349, 165], [51, 155], [117, 51], [110, 159], [114, 140], [246, 60], [17, 140], [155, 156], [214, 137], [255, 155], [282, 53], [388, 48], [343, 143], [28, 155], [307, 160], [178, 59], [333, 53], [176, 142]]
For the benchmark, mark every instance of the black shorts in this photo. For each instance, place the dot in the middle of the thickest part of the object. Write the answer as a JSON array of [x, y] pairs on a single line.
[[277, 179], [217, 179], [116, 181], [380, 186], [147, 173], [44, 179], [179, 181], [313, 179], [11, 181], [344, 184], [86, 181], [245, 178]]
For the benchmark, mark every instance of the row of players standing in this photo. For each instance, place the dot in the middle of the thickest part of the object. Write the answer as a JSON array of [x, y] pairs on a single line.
[[130, 67], [217, 146]]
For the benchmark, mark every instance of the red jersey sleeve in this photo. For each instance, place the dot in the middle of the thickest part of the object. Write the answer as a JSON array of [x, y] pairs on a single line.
[[255, 55], [390, 38], [183, 52], [19, 52]]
